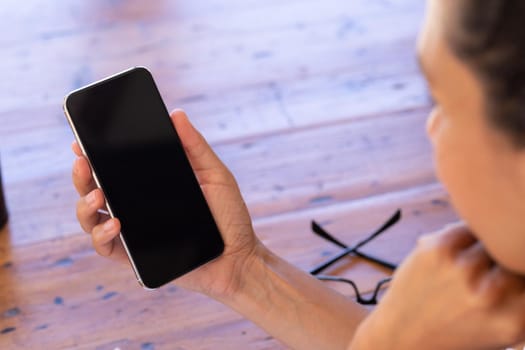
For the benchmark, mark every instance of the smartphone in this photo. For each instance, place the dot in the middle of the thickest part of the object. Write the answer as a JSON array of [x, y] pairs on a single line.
[[137, 160]]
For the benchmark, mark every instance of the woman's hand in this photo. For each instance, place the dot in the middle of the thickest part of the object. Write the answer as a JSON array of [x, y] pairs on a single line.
[[448, 294], [287, 302], [217, 278]]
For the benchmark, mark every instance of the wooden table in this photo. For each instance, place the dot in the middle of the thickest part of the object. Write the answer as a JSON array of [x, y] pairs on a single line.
[[318, 108]]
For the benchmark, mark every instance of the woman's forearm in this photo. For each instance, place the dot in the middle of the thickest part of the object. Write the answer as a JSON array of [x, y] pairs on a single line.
[[293, 306]]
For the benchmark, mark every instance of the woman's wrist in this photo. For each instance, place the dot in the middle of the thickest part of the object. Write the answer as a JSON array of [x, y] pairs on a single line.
[[245, 271], [290, 304], [239, 268]]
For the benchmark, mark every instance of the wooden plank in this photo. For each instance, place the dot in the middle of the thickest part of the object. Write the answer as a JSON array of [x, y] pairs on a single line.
[[336, 163], [77, 15], [425, 209], [276, 105], [40, 140], [277, 173], [353, 85], [233, 76], [55, 295], [316, 108], [58, 293], [36, 154]]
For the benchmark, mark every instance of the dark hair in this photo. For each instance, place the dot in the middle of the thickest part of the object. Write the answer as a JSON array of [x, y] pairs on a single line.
[[489, 36]]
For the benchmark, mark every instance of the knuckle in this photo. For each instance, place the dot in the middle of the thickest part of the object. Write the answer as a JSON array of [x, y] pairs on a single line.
[[76, 176], [492, 288], [100, 252], [423, 241], [96, 237], [221, 175], [227, 175], [485, 299], [479, 294], [466, 270], [80, 209], [82, 216], [443, 244], [431, 249]]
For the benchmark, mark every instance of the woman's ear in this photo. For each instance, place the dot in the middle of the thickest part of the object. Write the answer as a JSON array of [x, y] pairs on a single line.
[[433, 124]]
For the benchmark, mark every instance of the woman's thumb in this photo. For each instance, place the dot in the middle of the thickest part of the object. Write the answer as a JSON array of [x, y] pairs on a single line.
[[199, 152]]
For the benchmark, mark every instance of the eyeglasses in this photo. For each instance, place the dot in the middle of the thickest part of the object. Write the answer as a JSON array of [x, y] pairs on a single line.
[[355, 250]]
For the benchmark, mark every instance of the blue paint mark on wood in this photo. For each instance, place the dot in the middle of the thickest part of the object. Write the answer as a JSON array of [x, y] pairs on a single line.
[[64, 262], [320, 199], [12, 312], [59, 301], [259, 55], [356, 85], [349, 26], [147, 346], [7, 330], [278, 188], [42, 326], [398, 86], [193, 98], [439, 203], [109, 295], [247, 145]]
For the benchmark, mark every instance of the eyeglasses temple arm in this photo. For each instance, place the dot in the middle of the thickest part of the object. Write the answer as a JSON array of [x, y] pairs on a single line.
[[321, 232], [395, 218], [381, 262]]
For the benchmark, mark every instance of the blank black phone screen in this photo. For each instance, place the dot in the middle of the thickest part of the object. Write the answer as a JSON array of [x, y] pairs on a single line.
[[137, 156]]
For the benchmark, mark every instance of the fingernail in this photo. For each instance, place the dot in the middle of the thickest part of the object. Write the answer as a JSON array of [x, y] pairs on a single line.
[[90, 198], [108, 225]]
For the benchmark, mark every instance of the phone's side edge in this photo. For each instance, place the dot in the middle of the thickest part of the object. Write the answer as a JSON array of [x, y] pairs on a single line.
[[75, 133]]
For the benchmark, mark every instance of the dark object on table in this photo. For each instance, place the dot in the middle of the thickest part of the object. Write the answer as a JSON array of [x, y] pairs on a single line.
[[3, 207], [355, 250]]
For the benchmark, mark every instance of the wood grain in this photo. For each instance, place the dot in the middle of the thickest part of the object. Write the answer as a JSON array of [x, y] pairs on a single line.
[[317, 107], [60, 294], [277, 173]]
